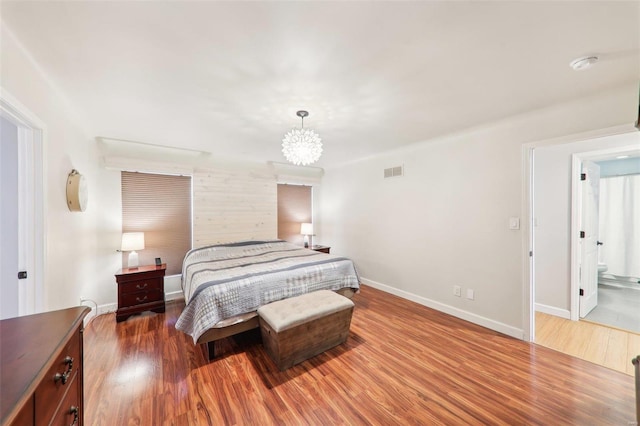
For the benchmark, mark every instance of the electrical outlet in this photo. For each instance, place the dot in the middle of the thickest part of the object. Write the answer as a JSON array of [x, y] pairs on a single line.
[[457, 290], [470, 294]]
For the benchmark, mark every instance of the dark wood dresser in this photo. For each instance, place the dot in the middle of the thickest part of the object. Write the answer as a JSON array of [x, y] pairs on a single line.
[[41, 368], [140, 289]]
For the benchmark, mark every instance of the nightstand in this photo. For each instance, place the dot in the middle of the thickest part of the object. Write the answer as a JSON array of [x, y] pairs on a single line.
[[322, 249], [140, 289]]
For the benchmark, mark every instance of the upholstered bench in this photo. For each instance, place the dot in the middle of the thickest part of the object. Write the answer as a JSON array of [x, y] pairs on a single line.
[[301, 327]]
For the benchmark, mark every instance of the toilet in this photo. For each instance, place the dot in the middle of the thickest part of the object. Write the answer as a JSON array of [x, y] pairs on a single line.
[[602, 267]]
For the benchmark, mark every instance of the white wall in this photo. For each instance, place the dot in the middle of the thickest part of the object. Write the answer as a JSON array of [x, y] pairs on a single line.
[[552, 215], [80, 257], [445, 222]]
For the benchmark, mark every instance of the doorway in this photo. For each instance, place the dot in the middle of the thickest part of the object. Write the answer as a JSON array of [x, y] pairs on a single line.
[[553, 220], [22, 275], [614, 267]]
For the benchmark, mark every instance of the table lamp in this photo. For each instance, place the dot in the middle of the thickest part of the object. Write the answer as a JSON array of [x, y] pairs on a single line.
[[132, 241], [306, 229]]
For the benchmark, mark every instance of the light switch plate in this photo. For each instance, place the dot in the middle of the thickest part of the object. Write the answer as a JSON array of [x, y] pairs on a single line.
[[514, 223]]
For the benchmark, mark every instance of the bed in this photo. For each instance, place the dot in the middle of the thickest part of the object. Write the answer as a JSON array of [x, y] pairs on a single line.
[[225, 284]]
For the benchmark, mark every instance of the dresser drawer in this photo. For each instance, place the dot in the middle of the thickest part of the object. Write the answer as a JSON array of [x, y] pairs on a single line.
[[141, 297], [70, 410], [59, 379], [148, 284]]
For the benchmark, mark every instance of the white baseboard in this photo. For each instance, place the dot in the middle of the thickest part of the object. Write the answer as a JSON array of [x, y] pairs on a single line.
[[97, 310], [107, 308], [112, 307], [174, 295], [552, 310], [456, 312]]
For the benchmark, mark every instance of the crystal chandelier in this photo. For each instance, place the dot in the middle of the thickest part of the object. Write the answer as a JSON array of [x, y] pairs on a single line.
[[302, 146]]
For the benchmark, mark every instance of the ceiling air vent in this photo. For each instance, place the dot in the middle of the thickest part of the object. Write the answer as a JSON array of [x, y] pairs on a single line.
[[393, 172]]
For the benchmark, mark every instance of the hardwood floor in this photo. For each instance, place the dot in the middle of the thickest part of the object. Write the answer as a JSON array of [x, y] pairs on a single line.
[[602, 345], [403, 363]]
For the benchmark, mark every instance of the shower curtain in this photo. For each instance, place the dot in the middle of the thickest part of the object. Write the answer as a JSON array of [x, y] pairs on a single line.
[[620, 225]]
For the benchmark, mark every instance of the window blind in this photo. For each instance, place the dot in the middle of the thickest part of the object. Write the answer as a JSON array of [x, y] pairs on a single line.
[[159, 206], [294, 208]]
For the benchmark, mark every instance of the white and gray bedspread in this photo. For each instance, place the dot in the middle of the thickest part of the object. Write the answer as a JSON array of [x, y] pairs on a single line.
[[226, 280]]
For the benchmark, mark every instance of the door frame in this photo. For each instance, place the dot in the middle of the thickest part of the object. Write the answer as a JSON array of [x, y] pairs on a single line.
[[528, 252], [576, 214], [31, 150]]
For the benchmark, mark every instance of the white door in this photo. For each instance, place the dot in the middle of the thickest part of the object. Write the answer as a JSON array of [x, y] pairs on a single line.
[[589, 244], [9, 253], [27, 241], [21, 248]]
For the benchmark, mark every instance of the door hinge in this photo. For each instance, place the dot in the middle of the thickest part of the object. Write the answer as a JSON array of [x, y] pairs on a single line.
[[582, 234], [583, 176], [22, 275], [530, 254], [581, 292]]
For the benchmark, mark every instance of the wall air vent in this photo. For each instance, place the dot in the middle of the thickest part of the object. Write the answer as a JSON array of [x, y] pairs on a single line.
[[393, 172]]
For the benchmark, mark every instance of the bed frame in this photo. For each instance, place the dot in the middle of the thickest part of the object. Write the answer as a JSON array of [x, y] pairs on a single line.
[[208, 339]]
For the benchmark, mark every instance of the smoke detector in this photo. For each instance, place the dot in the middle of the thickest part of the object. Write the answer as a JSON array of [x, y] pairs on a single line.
[[583, 63]]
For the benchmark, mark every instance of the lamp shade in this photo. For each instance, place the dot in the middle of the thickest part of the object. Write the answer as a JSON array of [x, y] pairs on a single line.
[[302, 146], [306, 229], [132, 241]]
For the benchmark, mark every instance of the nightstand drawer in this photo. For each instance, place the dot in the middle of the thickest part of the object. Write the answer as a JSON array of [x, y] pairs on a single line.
[[148, 284], [141, 297], [139, 275]]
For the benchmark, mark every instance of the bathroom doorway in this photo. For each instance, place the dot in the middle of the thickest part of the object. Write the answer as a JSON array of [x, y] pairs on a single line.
[[618, 246]]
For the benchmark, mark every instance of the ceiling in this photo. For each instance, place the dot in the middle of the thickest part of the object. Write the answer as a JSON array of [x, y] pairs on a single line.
[[228, 77]]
